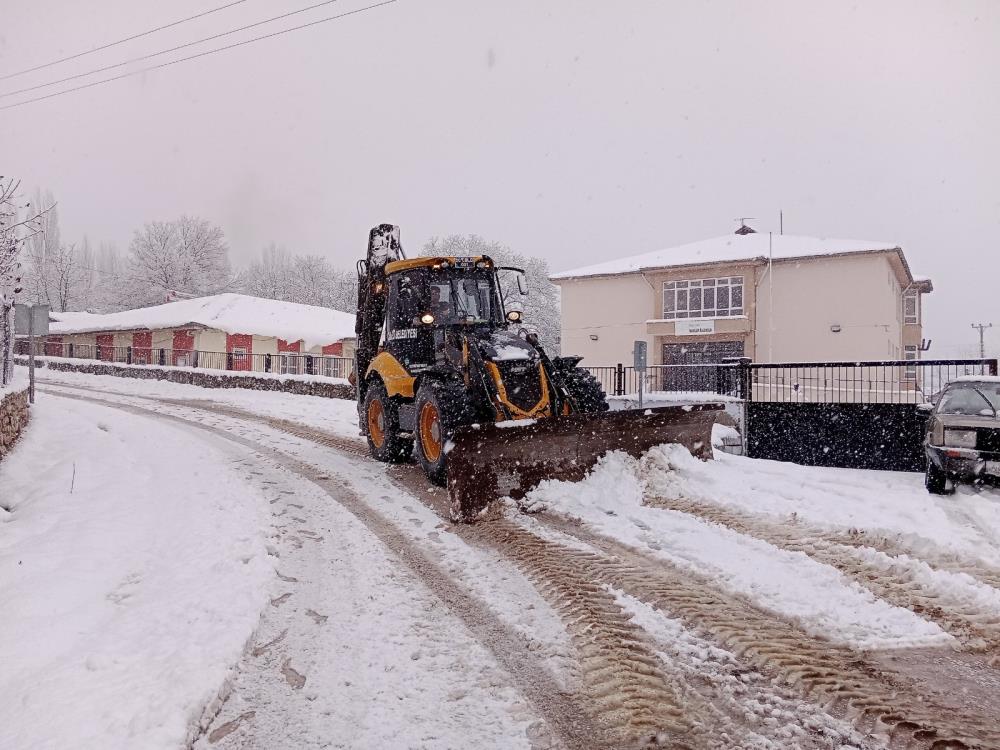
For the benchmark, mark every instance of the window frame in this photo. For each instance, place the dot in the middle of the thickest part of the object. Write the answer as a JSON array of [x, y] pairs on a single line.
[[915, 318], [681, 293]]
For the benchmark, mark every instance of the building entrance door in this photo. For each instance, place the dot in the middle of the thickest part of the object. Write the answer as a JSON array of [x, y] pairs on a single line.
[[694, 365]]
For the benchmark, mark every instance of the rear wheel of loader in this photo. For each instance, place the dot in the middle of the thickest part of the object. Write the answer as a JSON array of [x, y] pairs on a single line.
[[432, 433], [585, 390], [382, 423]]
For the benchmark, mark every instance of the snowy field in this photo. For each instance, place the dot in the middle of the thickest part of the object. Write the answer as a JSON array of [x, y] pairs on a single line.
[[313, 597]]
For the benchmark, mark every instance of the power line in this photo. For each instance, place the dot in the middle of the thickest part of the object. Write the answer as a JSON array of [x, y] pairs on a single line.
[[165, 51], [120, 41], [200, 54]]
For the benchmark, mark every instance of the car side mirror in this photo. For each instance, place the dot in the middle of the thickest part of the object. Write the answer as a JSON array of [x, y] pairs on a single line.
[[925, 407]]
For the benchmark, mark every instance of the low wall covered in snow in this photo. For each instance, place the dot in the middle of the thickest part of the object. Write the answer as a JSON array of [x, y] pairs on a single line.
[[300, 384], [13, 417]]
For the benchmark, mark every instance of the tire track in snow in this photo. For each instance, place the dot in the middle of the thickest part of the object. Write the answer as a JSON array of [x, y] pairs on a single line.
[[896, 580], [879, 702]]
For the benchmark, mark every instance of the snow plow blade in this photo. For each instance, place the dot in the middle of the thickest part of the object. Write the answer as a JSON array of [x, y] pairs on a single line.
[[493, 461]]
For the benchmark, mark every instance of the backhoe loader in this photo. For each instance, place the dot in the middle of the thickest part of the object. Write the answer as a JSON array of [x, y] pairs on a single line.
[[447, 370]]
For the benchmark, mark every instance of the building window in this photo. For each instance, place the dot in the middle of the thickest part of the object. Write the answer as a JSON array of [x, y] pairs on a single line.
[[911, 307], [703, 298], [911, 354]]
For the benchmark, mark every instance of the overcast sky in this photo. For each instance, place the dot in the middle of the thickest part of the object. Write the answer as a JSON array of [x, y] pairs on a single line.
[[576, 131]]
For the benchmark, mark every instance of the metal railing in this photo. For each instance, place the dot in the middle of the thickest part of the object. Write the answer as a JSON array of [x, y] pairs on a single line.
[[718, 379], [877, 381], [284, 363], [872, 382]]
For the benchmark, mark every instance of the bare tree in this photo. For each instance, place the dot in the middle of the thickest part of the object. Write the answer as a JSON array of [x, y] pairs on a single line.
[[541, 306], [188, 255], [306, 279], [18, 224]]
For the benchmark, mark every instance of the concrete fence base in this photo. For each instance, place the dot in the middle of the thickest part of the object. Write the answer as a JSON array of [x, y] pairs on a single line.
[[202, 378]]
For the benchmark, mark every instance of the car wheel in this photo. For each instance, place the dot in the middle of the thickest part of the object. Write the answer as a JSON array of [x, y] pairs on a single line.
[[936, 481]]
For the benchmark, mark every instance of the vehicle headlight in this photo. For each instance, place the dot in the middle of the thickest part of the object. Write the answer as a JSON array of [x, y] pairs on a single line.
[[427, 319], [514, 315], [960, 438]]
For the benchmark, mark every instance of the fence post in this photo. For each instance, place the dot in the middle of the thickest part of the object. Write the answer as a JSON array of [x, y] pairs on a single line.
[[619, 379], [128, 355], [745, 387], [993, 367]]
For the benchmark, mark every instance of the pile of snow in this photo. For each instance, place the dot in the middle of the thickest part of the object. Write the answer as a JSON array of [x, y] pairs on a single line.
[[729, 248], [132, 579], [825, 603], [231, 313]]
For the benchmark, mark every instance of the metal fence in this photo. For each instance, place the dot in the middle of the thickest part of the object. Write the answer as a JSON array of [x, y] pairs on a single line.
[[878, 381], [285, 363], [714, 379]]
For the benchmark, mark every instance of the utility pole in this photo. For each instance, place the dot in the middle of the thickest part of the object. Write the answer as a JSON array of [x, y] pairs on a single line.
[[982, 327]]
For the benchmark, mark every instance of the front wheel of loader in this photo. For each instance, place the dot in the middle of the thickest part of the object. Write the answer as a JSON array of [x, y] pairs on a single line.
[[382, 426], [585, 390], [432, 433]]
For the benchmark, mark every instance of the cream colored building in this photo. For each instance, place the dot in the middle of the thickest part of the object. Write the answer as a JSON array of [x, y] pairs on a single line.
[[772, 298]]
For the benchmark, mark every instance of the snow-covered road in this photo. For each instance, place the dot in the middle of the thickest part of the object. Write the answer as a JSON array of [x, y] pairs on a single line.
[[657, 600]]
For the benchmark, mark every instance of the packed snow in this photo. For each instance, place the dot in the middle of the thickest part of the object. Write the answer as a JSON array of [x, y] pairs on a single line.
[[729, 248], [132, 579], [232, 313], [611, 500]]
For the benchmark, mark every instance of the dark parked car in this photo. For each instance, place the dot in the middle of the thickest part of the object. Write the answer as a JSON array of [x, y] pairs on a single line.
[[963, 435]]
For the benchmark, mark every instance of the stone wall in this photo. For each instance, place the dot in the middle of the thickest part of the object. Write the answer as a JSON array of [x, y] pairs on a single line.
[[202, 378], [13, 418]]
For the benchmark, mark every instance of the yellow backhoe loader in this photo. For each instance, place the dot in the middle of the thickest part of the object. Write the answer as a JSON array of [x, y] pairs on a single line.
[[447, 370]]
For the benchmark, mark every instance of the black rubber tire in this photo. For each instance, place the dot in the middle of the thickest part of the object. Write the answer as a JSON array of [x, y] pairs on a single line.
[[585, 390], [445, 403], [936, 481], [394, 448]]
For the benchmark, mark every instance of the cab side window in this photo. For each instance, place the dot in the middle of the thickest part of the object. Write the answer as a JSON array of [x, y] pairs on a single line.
[[404, 302]]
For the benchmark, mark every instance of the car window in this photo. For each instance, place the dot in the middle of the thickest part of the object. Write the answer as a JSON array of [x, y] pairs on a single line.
[[972, 399]]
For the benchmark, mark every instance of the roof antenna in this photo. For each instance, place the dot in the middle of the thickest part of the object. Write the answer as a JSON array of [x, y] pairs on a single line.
[[744, 229], [781, 221]]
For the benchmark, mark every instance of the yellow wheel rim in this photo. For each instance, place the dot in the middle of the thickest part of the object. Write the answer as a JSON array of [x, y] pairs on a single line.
[[430, 432], [376, 423]]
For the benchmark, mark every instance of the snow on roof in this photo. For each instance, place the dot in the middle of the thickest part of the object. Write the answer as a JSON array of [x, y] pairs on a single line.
[[232, 313], [728, 248]]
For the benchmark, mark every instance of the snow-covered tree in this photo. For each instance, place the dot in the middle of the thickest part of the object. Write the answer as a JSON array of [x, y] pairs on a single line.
[[188, 255], [540, 307], [19, 222], [306, 279]]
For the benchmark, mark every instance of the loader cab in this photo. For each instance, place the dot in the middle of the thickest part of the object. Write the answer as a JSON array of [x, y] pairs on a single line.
[[428, 297]]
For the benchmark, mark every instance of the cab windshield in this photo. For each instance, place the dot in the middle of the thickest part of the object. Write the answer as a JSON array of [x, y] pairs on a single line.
[[462, 299], [971, 399], [451, 297]]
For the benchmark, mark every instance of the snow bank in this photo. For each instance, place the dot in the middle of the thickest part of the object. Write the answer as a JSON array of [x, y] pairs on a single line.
[[232, 313], [820, 599], [879, 502], [729, 248], [17, 384], [132, 578]]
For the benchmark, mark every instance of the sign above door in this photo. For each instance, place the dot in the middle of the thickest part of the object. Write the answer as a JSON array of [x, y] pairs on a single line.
[[693, 327]]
